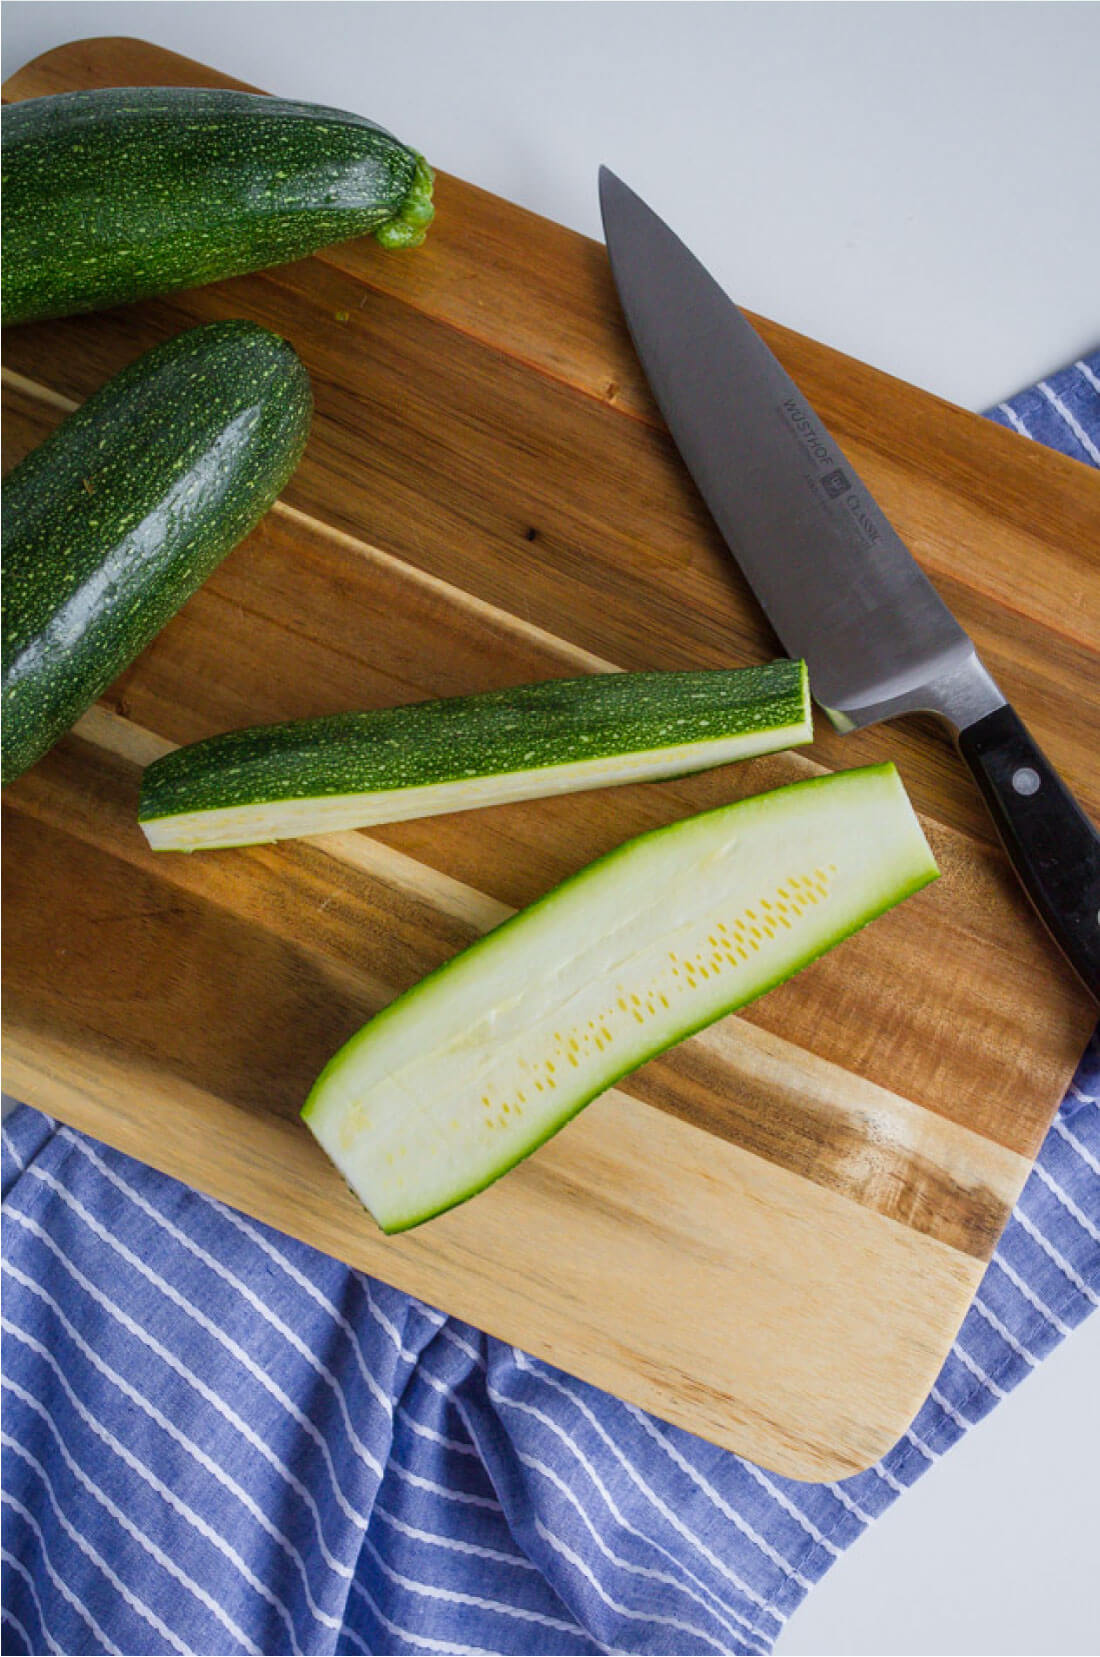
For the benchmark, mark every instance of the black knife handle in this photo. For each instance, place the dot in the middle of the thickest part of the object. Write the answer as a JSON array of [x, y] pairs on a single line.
[[1052, 844]]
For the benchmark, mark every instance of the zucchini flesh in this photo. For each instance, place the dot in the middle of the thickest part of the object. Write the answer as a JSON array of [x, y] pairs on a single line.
[[350, 770], [113, 521], [121, 193], [471, 1069]]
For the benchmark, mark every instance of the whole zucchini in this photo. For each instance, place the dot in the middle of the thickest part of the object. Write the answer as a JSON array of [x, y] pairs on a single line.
[[116, 195], [112, 522]]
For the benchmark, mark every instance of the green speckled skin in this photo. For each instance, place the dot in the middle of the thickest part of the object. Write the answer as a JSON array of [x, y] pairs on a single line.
[[555, 722], [112, 523], [117, 195]]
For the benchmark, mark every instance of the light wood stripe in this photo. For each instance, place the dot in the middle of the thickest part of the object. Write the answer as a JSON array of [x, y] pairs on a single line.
[[37, 391], [585, 661]]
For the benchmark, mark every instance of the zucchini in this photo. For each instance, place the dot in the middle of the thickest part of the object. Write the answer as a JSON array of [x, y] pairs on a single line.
[[350, 770], [471, 1069], [127, 192], [112, 522]]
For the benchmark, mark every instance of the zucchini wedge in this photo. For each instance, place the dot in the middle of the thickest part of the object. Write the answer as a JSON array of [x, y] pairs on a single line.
[[125, 192], [347, 771], [112, 522], [467, 1072]]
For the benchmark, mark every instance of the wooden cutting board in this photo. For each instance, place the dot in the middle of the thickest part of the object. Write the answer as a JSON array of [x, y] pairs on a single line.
[[768, 1236]]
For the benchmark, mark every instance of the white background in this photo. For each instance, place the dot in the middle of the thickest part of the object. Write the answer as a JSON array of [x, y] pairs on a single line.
[[915, 184]]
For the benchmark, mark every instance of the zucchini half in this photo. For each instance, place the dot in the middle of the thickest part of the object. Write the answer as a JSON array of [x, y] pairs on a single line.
[[347, 771], [471, 1069]]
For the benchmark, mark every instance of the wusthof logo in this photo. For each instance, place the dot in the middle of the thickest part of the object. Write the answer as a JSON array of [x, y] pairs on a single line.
[[808, 432], [835, 482]]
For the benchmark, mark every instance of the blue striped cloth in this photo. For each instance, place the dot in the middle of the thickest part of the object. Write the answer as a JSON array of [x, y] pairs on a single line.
[[216, 1439]]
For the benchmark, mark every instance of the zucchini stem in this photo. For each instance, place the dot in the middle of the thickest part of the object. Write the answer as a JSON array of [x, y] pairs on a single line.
[[409, 227]]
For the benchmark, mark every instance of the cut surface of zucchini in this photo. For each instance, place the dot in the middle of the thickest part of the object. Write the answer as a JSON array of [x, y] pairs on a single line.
[[470, 1070], [344, 771]]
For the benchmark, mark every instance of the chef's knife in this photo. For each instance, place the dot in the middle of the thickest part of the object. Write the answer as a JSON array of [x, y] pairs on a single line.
[[835, 580]]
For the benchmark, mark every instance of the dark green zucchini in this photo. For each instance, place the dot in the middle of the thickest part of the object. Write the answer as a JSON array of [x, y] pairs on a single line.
[[111, 524], [116, 195], [350, 770]]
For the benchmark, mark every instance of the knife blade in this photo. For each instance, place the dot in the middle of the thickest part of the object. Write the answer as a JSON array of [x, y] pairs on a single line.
[[836, 581]]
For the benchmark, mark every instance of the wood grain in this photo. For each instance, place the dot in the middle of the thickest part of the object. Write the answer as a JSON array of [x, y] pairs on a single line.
[[768, 1235]]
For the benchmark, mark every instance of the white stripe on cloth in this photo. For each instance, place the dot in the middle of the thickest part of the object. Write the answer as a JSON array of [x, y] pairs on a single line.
[[985, 1381], [214, 1469], [12, 1152], [386, 1323], [523, 1362], [652, 1575], [849, 1502], [422, 1430], [407, 1634], [1067, 1203], [247, 1294], [1071, 421], [421, 1483], [1075, 1144], [90, 1551], [62, 1587], [949, 1410], [1047, 1313], [796, 1513], [454, 1596], [452, 1543], [1010, 414], [1064, 1266], [18, 1565], [146, 1543], [264, 1244], [919, 1445], [20, 1629], [715, 1496], [205, 1392], [583, 1569], [978, 1305], [235, 1350], [882, 1472]]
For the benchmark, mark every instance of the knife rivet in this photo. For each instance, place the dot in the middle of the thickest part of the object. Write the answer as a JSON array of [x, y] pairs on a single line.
[[1025, 780]]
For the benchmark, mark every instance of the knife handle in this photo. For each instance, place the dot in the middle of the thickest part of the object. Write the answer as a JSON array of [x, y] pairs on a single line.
[[1053, 846]]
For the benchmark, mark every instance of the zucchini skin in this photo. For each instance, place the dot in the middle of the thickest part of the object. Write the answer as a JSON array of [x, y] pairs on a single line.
[[115, 520], [527, 728], [117, 195]]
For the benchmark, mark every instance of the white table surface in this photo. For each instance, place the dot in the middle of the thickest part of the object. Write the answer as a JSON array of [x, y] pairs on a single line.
[[914, 184]]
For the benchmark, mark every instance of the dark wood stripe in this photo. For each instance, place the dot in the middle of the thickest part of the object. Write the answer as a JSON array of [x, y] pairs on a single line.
[[869, 1162]]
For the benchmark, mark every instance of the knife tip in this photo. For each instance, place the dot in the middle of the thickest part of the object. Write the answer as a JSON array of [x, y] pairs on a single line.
[[609, 183]]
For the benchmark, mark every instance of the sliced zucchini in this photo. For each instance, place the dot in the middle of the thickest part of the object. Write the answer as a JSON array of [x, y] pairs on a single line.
[[350, 770], [467, 1072]]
